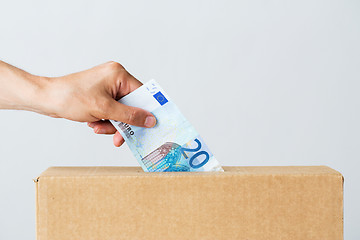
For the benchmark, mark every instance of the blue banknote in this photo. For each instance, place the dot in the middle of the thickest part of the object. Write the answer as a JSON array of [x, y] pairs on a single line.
[[173, 145]]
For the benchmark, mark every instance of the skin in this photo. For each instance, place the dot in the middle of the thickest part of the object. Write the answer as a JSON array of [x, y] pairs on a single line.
[[88, 96]]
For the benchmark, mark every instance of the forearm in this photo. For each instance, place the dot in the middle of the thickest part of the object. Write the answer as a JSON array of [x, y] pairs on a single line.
[[20, 90]]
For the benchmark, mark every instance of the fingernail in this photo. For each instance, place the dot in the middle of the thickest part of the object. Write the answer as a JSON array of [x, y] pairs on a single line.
[[150, 121], [97, 130]]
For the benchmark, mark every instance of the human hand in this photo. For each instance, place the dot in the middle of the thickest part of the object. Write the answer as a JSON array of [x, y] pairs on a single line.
[[90, 96]]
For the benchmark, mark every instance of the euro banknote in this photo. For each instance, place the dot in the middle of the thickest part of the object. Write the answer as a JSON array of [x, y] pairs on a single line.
[[172, 145]]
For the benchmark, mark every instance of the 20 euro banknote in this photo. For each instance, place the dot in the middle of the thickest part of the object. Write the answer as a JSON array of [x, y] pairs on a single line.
[[173, 144]]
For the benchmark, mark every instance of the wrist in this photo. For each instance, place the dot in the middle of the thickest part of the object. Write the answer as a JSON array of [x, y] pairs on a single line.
[[47, 96], [36, 95], [33, 95], [21, 90]]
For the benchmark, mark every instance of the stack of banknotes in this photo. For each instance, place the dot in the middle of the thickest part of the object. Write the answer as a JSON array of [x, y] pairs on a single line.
[[173, 145]]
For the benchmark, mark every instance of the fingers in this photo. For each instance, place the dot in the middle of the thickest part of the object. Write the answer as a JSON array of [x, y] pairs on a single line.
[[121, 83], [105, 127], [130, 115], [102, 127], [118, 139]]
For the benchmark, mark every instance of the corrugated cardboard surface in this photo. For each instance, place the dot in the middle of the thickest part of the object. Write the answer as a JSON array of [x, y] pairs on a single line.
[[115, 203]]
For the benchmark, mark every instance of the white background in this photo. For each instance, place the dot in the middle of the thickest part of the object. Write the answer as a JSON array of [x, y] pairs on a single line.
[[264, 82]]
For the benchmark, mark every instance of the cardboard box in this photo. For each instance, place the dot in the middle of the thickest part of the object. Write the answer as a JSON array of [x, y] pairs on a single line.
[[115, 203]]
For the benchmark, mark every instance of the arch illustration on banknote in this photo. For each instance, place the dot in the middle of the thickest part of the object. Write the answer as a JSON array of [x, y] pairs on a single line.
[[165, 158]]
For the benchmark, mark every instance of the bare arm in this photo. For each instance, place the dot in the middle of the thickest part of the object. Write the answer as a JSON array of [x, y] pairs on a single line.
[[19, 89]]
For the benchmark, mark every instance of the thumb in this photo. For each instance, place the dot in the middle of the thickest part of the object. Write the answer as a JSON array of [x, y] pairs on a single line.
[[130, 115]]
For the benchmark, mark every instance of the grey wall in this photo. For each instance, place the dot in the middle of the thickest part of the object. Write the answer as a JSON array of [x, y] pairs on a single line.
[[264, 82]]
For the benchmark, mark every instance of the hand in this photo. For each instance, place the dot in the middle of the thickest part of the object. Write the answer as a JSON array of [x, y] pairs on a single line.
[[87, 96], [91, 96]]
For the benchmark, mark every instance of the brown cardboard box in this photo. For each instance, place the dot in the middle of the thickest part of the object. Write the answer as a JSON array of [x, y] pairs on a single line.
[[115, 203]]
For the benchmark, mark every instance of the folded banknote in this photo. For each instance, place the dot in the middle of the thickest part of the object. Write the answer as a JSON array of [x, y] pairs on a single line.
[[173, 145]]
